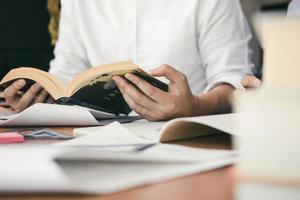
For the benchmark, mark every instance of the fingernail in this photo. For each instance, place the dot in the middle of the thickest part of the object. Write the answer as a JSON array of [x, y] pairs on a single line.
[[115, 79], [256, 82], [21, 82]]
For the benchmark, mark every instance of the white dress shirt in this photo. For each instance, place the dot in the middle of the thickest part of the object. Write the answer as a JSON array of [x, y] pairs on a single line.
[[294, 9], [207, 40]]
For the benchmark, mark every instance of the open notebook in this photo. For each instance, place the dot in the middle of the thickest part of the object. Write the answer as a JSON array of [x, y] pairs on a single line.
[[141, 132]]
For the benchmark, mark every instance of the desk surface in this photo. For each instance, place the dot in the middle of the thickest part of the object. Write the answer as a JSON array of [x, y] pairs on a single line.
[[217, 184]]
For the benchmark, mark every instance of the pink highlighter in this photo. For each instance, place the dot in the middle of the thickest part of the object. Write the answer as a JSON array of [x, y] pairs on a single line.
[[11, 137]]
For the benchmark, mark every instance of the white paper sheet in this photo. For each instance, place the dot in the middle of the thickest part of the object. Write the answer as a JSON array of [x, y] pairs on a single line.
[[43, 114], [158, 131], [31, 170], [112, 134], [159, 153], [51, 115], [141, 128], [98, 176]]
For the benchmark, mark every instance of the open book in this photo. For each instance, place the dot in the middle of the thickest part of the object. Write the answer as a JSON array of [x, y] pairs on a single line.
[[143, 132], [93, 88], [191, 127]]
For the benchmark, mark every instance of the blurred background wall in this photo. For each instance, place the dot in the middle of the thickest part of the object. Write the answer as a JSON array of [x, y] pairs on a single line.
[[27, 33]]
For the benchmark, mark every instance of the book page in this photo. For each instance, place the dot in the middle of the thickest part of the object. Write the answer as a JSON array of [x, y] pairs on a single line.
[[190, 127], [177, 129], [141, 128], [97, 72], [51, 84]]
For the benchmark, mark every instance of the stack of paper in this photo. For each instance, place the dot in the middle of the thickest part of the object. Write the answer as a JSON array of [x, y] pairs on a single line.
[[94, 171]]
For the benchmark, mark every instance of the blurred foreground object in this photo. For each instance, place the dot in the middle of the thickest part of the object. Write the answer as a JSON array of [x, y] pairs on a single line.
[[269, 127], [280, 39]]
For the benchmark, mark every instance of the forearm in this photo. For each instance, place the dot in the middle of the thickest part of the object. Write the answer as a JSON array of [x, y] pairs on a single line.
[[216, 101]]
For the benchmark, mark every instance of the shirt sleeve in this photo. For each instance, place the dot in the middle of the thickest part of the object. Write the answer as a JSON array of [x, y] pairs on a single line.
[[70, 53], [224, 36], [294, 9]]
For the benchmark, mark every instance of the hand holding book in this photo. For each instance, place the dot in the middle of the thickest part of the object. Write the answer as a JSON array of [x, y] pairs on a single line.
[[135, 89], [154, 104], [93, 88], [19, 99], [179, 101]]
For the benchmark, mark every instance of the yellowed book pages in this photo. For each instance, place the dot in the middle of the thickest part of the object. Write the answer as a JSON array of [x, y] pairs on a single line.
[[58, 89]]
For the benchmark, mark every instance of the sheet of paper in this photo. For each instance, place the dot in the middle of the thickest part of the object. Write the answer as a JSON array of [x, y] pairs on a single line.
[[223, 122], [157, 131], [113, 134], [30, 170], [159, 153], [42, 114], [103, 177], [6, 114], [144, 129], [141, 128], [35, 165], [109, 177], [128, 119]]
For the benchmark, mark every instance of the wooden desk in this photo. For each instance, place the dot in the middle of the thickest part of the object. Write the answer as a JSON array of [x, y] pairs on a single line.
[[214, 185]]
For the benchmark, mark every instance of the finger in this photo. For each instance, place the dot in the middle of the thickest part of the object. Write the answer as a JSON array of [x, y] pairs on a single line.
[[19, 93], [41, 98], [250, 81], [50, 100], [169, 72], [148, 89], [136, 107], [144, 112], [11, 92], [28, 97], [136, 95]]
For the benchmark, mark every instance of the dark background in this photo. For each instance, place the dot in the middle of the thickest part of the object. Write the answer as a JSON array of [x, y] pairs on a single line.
[[24, 36]]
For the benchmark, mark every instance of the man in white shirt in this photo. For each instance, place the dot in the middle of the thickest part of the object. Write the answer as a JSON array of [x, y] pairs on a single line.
[[203, 45]]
